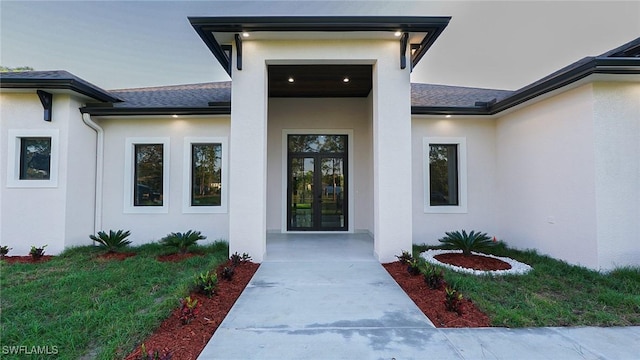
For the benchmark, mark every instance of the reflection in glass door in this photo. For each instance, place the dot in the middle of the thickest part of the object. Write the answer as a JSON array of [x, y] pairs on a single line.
[[317, 183]]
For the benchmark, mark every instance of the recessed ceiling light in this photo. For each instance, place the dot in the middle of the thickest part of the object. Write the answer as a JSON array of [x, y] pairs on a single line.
[[290, 79], [174, 116], [397, 33], [448, 116], [346, 79], [245, 34]]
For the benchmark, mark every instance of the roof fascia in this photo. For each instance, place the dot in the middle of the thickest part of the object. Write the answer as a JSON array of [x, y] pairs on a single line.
[[207, 26], [599, 65], [222, 109], [65, 84]]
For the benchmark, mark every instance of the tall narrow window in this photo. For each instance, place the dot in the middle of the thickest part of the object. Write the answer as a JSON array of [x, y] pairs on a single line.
[[443, 175], [35, 158], [148, 177], [206, 174]]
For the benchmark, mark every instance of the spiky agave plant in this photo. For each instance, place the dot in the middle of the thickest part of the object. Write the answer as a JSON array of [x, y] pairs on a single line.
[[473, 241], [182, 241], [113, 241]]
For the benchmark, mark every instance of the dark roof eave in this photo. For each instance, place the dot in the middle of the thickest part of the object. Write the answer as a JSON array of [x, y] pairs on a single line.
[[141, 111], [63, 84], [598, 65]]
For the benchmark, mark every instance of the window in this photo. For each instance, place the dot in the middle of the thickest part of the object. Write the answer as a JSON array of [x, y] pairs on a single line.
[[32, 158], [445, 175], [204, 175], [146, 175]]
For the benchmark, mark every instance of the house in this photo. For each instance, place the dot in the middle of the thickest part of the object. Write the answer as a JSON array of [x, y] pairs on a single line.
[[323, 103]]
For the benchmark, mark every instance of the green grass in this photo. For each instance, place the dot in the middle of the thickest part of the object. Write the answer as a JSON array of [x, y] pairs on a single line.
[[93, 308], [554, 293]]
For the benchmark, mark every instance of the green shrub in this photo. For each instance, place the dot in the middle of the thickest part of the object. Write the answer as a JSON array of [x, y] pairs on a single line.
[[453, 300], [206, 283], [188, 310], [182, 241], [4, 250], [413, 266], [113, 241], [433, 277], [37, 252], [405, 257], [473, 241]]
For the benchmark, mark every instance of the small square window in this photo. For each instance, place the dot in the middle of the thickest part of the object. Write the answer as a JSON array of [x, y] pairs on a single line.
[[35, 158]]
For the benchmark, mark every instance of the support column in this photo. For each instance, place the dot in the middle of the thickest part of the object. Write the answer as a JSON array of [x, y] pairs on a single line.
[[248, 160], [391, 160]]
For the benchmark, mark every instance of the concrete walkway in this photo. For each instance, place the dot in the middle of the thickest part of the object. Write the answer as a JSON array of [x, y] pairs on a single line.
[[327, 297]]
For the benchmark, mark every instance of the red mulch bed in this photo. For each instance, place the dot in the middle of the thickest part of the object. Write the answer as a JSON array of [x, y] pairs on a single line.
[[476, 262], [26, 259], [185, 342], [115, 256], [431, 302]]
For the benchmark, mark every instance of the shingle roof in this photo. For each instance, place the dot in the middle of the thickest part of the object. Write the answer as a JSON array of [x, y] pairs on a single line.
[[54, 79], [191, 95], [453, 96]]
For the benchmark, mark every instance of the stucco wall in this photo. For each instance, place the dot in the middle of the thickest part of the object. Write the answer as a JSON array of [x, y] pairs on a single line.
[[617, 171], [152, 227], [48, 215], [323, 114], [482, 204], [545, 177]]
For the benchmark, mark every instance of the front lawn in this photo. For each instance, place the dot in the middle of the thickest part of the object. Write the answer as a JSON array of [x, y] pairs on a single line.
[[554, 293], [83, 307]]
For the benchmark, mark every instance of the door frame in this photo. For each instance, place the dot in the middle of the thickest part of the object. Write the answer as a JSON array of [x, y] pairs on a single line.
[[285, 177]]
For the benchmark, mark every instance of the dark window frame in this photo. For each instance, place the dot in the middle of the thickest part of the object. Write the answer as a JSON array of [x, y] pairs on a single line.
[[136, 187], [23, 170], [219, 158], [450, 166]]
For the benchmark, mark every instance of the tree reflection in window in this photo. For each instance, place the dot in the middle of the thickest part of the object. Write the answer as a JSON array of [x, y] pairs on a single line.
[[206, 183], [443, 174], [317, 143], [148, 175], [35, 158]]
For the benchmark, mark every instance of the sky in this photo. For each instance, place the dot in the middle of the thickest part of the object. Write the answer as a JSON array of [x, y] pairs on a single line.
[[488, 44]]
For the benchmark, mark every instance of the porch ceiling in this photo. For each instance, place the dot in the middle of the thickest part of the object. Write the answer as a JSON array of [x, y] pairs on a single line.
[[320, 80]]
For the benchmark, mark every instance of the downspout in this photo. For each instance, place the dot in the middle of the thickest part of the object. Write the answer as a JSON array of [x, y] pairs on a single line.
[[97, 221]]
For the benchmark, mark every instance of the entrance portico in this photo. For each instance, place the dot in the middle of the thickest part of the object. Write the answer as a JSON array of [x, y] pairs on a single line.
[[375, 181]]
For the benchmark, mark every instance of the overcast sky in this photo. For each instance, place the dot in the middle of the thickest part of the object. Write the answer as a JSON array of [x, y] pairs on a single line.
[[491, 44]]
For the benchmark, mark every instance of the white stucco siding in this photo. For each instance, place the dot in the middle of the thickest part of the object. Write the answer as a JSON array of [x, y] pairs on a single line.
[[33, 215], [617, 170], [545, 177], [308, 115], [80, 179], [152, 227], [482, 204]]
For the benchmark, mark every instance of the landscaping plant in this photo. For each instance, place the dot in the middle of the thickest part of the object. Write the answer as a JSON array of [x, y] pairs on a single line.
[[473, 241], [236, 258], [153, 355], [405, 257], [37, 252], [188, 310], [227, 273], [413, 266], [453, 300], [182, 241], [433, 277], [113, 241], [4, 250], [206, 283]]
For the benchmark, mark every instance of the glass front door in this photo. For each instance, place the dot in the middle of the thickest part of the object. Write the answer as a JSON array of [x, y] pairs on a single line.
[[317, 183]]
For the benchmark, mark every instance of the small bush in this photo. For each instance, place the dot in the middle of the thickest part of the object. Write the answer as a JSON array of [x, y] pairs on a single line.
[[453, 300], [206, 283], [113, 241], [236, 258], [4, 250], [153, 355], [188, 309], [413, 267], [227, 273], [182, 241], [474, 241], [37, 252], [405, 257], [433, 277]]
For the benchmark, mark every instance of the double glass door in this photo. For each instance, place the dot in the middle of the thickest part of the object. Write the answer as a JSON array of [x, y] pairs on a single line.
[[317, 183]]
